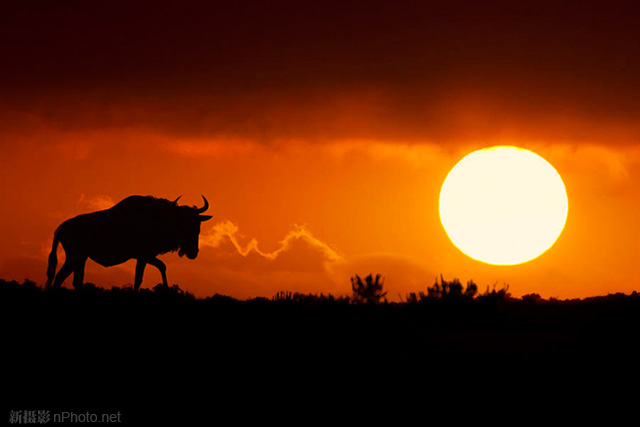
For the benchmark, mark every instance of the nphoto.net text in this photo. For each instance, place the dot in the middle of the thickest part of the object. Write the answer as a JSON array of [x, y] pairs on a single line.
[[86, 417]]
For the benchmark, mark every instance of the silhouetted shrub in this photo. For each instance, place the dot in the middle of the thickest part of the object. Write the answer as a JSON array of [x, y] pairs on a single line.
[[445, 291], [533, 298], [281, 296], [369, 290], [497, 294], [172, 292], [90, 288], [495, 298], [288, 297], [219, 298]]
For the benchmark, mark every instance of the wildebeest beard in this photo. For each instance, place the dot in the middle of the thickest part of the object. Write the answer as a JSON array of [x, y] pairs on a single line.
[[190, 254]]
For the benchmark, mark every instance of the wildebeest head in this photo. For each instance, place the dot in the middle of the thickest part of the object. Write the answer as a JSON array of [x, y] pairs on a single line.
[[189, 228]]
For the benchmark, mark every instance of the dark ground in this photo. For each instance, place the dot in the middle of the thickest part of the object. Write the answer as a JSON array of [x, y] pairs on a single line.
[[164, 355]]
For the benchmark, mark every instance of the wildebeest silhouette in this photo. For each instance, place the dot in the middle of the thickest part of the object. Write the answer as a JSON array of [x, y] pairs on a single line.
[[138, 227]]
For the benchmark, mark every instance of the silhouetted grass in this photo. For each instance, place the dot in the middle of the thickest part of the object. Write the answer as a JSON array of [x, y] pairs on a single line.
[[162, 344]]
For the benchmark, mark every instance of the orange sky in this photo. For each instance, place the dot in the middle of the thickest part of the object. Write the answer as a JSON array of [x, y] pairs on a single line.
[[320, 135]]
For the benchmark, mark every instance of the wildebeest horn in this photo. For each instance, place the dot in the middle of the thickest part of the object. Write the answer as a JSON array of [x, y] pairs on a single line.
[[175, 202], [206, 205]]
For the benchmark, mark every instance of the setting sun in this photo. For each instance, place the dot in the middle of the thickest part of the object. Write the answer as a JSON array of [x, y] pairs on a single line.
[[503, 205]]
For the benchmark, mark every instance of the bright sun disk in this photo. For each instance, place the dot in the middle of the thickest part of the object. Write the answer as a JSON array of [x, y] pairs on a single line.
[[503, 205]]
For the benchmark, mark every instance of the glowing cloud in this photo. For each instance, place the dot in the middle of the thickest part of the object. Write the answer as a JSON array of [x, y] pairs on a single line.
[[227, 231]]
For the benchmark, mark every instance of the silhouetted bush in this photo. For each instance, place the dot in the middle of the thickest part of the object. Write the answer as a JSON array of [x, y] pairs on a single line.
[[495, 294], [27, 286], [369, 290], [533, 298], [445, 291], [221, 299], [287, 297], [172, 292], [283, 296]]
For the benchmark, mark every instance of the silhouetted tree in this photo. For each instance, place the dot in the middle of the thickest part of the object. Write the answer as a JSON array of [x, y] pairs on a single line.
[[368, 290]]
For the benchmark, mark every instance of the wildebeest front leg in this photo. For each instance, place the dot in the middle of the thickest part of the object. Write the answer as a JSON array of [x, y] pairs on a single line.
[[160, 266], [139, 272]]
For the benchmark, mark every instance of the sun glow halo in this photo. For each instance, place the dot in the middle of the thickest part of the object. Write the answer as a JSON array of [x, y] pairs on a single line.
[[503, 205]]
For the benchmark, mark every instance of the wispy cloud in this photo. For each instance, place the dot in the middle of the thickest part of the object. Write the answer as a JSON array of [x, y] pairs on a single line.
[[227, 231]]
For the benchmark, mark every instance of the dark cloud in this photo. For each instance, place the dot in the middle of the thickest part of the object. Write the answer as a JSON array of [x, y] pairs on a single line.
[[404, 69]]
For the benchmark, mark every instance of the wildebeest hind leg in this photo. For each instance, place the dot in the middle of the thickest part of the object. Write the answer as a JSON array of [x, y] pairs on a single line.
[[78, 273], [65, 271]]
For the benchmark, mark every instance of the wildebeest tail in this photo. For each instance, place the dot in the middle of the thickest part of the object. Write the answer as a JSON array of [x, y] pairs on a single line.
[[53, 259]]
